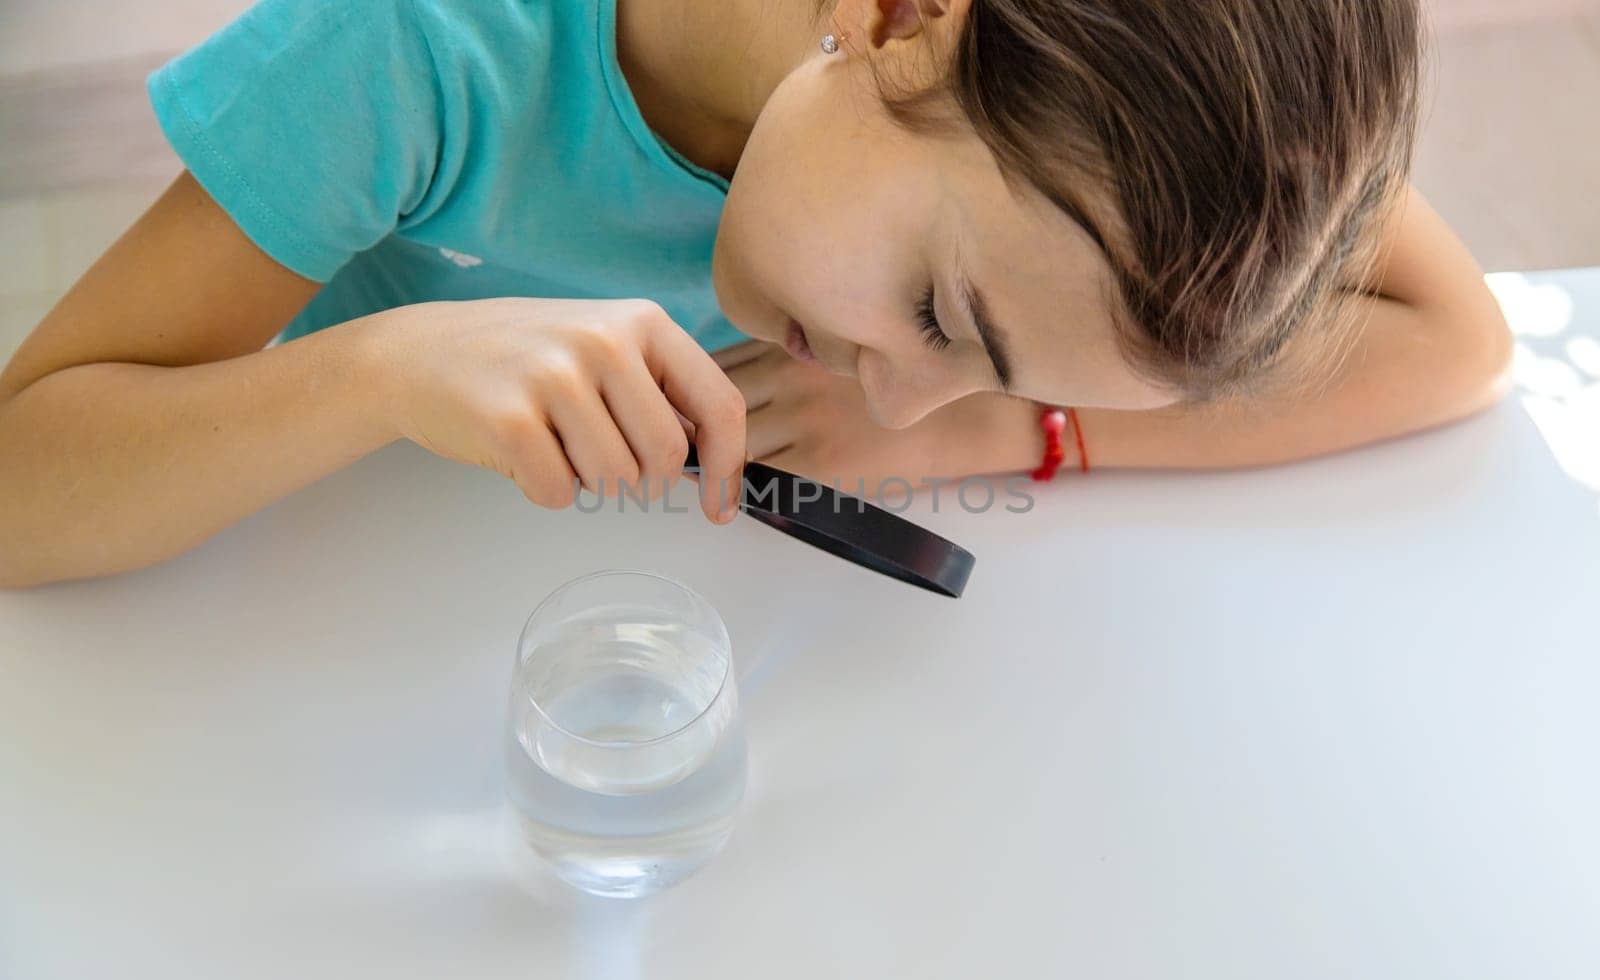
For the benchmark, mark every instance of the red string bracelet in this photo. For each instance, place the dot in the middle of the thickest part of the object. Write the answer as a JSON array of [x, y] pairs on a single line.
[[1054, 422]]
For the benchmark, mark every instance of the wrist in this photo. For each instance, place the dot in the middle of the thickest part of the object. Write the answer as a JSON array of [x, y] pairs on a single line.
[[371, 352], [1039, 445]]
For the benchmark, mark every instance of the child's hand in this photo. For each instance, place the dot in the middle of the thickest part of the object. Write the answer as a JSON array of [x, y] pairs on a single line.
[[551, 392], [811, 422]]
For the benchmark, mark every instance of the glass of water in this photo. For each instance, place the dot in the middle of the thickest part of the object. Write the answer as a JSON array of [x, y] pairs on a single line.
[[626, 761]]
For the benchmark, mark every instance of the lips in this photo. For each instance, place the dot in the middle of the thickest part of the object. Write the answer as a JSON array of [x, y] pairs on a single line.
[[796, 344]]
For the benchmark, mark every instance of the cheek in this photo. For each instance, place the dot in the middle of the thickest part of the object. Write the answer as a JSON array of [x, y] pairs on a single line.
[[820, 208], [772, 250], [744, 249], [769, 216]]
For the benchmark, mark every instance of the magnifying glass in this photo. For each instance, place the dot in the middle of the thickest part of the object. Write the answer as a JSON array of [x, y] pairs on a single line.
[[851, 528]]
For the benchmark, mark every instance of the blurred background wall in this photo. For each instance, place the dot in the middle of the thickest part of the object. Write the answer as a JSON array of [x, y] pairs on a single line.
[[1510, 151]]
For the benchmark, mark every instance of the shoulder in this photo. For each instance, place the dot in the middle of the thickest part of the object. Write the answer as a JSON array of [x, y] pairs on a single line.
[[493, 30], [447, 31]]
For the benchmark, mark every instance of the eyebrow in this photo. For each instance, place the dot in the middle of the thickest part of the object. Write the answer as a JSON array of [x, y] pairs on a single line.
[[994, 342]]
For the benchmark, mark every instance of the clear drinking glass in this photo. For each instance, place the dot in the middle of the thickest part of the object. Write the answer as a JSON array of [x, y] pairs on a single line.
[[626, 760]]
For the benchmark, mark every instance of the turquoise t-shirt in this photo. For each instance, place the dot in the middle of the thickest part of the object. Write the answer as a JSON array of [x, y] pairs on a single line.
[[400, 151]]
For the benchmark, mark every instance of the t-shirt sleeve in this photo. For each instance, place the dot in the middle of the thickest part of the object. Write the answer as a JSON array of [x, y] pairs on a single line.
[[316, 124]]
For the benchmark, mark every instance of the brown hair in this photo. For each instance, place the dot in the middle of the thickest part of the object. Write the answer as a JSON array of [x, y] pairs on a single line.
[[1247, 146]]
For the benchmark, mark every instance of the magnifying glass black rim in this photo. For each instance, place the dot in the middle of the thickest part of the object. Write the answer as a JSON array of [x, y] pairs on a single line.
[[853, 529]]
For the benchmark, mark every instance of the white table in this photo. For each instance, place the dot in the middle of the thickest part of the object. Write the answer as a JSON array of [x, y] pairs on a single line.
[[1332, 720]]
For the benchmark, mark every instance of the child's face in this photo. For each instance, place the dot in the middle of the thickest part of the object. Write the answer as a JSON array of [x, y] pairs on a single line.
[[839, 220]]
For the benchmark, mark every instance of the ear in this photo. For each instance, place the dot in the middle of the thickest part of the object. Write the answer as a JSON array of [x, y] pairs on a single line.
[[890, 20]]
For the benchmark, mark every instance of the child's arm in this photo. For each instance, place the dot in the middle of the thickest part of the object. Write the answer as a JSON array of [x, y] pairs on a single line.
[[141, 416], [1435, 348]]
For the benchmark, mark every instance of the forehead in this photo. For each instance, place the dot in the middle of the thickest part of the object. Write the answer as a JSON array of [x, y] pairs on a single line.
[[1049, 287]]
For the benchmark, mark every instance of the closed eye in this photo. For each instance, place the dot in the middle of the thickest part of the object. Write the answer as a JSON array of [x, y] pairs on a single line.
[[933, 335]]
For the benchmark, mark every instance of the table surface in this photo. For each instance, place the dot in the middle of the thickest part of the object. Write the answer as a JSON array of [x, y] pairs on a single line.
[[1328, 720]]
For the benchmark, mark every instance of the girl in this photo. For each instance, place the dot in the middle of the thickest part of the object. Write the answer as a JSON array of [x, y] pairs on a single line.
[[509, 230]]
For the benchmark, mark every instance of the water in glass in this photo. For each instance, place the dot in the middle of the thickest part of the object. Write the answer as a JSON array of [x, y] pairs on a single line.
[[627, 755]]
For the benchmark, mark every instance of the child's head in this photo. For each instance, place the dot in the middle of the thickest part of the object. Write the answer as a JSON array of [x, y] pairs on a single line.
[[1151, 196]]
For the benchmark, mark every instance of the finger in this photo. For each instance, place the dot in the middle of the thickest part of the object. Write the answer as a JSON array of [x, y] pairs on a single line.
[[697, 388], [540, 468], [759, 379], [731, 357], [653, 429], [593, 444], [768, 430], [688, 433], [688, 426]]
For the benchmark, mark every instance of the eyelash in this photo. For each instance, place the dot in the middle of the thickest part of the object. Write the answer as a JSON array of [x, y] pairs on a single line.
[[932, 334]]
